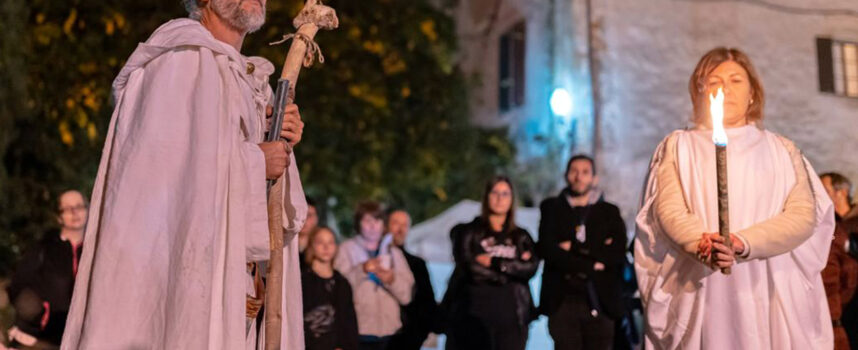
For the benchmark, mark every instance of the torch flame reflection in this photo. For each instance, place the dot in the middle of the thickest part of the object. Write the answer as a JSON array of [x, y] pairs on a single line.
[[716, 111]]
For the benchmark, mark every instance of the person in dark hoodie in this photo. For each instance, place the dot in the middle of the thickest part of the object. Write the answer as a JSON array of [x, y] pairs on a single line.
[[583, 241], [488, 295], [42, 285]]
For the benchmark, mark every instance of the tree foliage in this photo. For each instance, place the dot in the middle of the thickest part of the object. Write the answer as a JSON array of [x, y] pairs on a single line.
[[57, 62], [386, 114]]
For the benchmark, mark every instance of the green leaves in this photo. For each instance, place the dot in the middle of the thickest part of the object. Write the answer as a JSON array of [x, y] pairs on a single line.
[[57, 62], [386, 115]]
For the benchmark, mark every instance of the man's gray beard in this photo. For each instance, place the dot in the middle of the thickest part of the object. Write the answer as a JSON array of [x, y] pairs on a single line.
[[236, 17]]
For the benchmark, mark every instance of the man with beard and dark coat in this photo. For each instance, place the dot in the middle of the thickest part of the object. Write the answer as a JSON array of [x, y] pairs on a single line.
[[583, 241], [419, 318]]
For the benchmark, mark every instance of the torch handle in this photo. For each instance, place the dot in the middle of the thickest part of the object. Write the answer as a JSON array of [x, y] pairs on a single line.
[[723, 198], [280, 102]]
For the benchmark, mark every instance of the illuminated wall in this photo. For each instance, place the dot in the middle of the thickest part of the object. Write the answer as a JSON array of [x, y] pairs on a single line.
[[651, 48], [644, 53], [555, 57]]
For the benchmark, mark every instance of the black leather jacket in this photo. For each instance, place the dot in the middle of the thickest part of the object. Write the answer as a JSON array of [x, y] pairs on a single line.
[[515, 272]]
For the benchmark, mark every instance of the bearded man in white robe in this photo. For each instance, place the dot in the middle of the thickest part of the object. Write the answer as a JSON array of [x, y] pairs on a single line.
[[179, 202], [781, 218]]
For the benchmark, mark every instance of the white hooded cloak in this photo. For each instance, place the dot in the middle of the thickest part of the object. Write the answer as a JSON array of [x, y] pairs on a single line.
[[179, 203]]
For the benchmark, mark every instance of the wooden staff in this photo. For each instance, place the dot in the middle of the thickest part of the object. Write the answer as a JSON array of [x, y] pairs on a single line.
[[313, 16]]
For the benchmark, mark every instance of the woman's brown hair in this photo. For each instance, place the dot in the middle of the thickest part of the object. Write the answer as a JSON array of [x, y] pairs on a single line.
[[371, 208], [308, 253], [509, 223], [707, 64]]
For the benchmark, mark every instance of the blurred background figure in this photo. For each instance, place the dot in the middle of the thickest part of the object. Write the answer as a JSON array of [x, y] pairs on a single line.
[[488, 295], [841, 272], [583, 241], [329, 314], [419, 318], [42, 285], [310, 225], [839, 188], [379, 275]]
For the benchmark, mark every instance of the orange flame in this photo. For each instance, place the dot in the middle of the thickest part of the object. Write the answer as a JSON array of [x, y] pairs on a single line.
[[716, 111]]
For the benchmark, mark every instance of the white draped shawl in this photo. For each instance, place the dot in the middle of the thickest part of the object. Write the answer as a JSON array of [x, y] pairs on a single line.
[[774, 298], [179, 203]]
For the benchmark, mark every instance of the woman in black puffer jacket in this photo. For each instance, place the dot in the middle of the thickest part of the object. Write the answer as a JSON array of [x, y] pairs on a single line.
[[488, 297]]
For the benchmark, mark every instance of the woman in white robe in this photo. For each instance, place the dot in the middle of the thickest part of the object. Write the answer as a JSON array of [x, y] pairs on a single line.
[[781, 222]]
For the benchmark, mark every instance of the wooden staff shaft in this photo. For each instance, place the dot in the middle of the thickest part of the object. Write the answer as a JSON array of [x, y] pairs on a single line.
[[274, 283], [274, 293], [297, 52], [313, 16], [723, 198]]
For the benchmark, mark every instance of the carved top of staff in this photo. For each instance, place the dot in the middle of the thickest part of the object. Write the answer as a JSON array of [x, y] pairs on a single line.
[[313, 16], [314, 12]]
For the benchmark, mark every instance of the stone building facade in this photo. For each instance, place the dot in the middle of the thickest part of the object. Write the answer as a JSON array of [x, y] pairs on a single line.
[[639, 55]]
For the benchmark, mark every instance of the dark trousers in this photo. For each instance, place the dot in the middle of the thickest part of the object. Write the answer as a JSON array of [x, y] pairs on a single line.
[[573, 327], [850, 321], [369, 342], [408, 338], [478, 333]]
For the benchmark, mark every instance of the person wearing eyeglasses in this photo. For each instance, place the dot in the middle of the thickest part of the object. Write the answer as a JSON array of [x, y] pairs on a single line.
[[488, 298], [42, 285]]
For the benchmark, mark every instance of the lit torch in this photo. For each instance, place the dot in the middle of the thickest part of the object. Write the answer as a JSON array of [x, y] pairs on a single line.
[[719, 137]]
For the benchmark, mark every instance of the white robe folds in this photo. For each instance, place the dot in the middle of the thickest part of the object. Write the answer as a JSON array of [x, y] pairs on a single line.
[[774, 298], [179, 203]]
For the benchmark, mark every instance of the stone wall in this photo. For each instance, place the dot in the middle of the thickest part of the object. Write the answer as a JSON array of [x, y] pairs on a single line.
[[645, 52]]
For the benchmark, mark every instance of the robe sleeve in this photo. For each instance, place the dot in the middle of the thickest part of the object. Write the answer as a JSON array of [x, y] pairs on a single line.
[[672, 212], [294, 201], [256, 245], [790, 228]]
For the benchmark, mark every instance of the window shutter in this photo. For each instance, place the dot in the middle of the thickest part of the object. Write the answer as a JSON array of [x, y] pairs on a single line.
[[825, 63]]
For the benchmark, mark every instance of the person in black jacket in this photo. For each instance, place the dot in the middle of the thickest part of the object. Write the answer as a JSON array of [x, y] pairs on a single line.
[[42, 285], [330, 322], [488, 295], [583, 241], [419, 318]]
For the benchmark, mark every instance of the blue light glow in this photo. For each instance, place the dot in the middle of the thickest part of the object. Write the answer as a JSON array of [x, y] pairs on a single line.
[[561, 103]]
